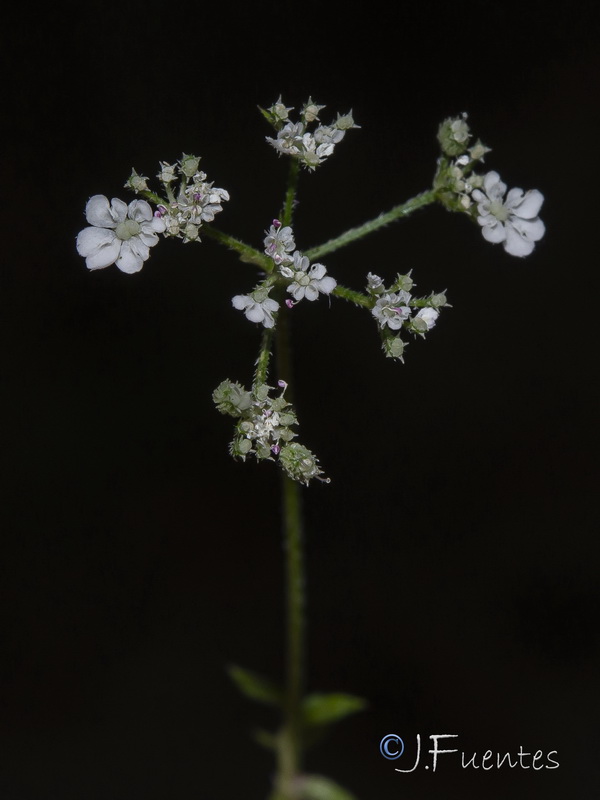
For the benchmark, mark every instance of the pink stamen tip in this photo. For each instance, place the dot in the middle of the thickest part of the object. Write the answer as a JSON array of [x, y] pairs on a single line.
[[276, 223], [282, 384], [275, 449], [290, 303]]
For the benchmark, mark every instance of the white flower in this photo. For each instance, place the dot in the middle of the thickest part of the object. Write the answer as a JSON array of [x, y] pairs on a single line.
[[513, 221], [388, 311], [429, 316], [307, 283], [121, 234], [257, 306], [279, 241]]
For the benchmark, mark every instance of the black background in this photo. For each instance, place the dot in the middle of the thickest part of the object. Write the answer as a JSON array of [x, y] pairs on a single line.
[[452, 561]]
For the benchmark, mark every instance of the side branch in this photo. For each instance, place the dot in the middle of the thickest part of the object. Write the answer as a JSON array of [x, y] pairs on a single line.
[[353, 234]]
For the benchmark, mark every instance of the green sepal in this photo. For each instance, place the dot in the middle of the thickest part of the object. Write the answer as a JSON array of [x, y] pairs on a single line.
[[317, 787], [271, 119], [325, 709], [256, 687]]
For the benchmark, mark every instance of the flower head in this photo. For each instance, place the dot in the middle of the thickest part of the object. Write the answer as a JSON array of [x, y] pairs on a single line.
[[295, 139], [513, 221], [121, 234], [307, 282]]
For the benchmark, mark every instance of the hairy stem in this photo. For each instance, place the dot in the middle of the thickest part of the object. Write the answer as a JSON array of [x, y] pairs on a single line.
[[290, 744], [353, 234]]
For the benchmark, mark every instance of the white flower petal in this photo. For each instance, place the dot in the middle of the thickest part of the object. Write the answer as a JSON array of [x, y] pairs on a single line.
[[99, 246], [311, 292], [148, 238], [317, 271], [531, 229], [270, 305], [492, 230], [241, 301], [327, 284], [140, 211], [395, 322], [157, 223], [529, 206], [255, 313], [494, 187], [98, 212], [296, 291], [516, 244], [129, 260]]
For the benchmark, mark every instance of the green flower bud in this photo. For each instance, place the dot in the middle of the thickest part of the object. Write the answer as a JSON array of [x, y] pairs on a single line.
[[453, 135], [189, 165], [418, 325], [393, 347], [299, 463], [231, 398], [240, 447], [137, 182]]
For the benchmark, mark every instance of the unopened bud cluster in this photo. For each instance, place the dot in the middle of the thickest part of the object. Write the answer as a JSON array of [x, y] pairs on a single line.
[[264, 428], [311, 144], [395, 309]]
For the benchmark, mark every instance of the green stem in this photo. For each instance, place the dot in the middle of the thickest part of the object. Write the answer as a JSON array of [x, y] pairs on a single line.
[[290, 738], [290, 745], [264, 356], [290, 195], [351, 235], [246, 253]]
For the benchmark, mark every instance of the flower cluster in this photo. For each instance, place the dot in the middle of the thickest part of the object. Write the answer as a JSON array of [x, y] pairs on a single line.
[[264, 428], [396, 309], [303, 281], [294, 267], [310, 147], [123, 234], [195, 201], [512, 221]]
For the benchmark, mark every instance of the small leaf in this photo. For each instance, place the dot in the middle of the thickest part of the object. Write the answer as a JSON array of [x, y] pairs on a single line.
[[265, 739], [255, 686], [324, 709], [317, 787]]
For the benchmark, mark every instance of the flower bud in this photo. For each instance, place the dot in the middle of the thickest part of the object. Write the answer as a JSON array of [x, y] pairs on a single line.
[[231, 398], [299, 463], [453, 135], [137, 182], [189, 165], [393, 347]]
